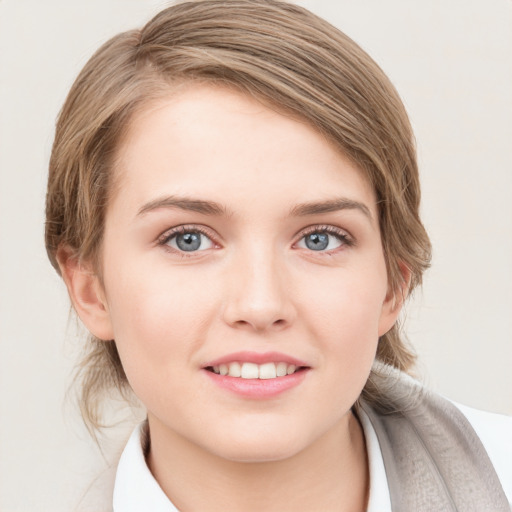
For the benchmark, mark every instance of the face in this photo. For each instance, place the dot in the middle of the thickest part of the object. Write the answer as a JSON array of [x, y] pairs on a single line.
[[241, 241]]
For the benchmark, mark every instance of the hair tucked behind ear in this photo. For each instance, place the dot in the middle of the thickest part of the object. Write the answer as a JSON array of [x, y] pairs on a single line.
[[274, 51]]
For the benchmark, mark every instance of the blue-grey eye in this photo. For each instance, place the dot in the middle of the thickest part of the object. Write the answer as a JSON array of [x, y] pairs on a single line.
[[190, 241], [317, 241], [320, 241]]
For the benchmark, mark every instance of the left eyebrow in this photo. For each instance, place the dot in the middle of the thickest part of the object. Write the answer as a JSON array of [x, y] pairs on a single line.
[[331, 205], [184, 203]]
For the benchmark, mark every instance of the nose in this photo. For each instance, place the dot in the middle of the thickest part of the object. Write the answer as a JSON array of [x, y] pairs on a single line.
[[259, 295]]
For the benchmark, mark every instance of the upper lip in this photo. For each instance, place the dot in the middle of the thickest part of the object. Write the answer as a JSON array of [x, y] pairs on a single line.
[[256, 358]]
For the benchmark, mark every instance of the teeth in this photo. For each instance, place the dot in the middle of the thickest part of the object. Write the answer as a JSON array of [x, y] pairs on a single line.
[[250, 371], [255, 371], [268, 371], [291, 369], [281, 369], [235, 370]]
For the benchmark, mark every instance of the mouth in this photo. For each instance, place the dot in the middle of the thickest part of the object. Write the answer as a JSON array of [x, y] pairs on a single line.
[[257, 376], [248, 370]]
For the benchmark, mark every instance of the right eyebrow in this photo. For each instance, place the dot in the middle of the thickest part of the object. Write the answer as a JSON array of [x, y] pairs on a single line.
[[184, 203], [332, 205]]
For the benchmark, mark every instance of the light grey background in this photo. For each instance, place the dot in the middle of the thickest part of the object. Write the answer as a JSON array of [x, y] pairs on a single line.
[[451, 62]]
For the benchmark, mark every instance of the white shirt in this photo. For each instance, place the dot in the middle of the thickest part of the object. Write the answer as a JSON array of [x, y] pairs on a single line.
[[136, 489]]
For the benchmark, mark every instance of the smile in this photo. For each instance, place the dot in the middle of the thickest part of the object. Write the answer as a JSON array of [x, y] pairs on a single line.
[[257, 376], [255, 371]]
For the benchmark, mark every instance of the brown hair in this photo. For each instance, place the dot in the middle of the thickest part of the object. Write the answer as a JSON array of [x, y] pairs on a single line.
[[275, 51]]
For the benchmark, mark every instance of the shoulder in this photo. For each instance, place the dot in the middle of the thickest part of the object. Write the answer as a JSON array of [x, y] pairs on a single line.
[[495, 433], [446, 430]]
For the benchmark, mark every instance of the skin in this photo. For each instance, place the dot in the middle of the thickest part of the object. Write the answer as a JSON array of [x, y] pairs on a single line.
[[254, 285]]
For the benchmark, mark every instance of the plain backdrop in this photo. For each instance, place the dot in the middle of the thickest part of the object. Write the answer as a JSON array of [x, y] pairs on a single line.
[[451, 61]]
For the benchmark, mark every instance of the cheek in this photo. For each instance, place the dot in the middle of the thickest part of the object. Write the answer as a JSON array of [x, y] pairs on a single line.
[[347, 305], [158, 319], [344, 321]]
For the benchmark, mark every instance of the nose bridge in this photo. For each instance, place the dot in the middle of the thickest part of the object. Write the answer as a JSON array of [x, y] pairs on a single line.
[[258, 295]]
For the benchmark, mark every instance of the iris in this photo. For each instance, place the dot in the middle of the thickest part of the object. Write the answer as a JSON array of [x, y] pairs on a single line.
[[317, 241], [188, 241]]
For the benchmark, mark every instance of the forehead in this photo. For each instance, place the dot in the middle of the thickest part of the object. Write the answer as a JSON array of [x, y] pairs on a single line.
[[219, 143]]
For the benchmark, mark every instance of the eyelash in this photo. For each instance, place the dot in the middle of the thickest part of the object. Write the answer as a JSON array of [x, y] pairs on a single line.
[[166, 237], [163, 240], [340, 234]]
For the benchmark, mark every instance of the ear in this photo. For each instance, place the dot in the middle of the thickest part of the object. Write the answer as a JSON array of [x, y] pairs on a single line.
[[86, 293], [394, 301]]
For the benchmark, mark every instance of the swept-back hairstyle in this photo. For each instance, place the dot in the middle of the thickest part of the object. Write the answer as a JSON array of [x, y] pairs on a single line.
[[274, 51]]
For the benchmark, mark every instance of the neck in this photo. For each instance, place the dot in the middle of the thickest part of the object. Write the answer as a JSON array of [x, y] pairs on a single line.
[[330, 474]]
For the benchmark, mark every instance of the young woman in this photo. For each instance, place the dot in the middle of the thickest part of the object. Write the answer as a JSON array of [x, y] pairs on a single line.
[[233, 204]]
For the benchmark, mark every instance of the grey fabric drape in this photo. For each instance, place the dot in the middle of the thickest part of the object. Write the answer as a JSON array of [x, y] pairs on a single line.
[[434, 460]]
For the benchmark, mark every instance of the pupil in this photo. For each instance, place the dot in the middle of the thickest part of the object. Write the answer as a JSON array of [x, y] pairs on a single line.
[[317, 241], [188, 241]]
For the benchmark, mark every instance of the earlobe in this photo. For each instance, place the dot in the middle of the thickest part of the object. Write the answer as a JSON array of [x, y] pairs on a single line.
[[394, 301], [86, 294]]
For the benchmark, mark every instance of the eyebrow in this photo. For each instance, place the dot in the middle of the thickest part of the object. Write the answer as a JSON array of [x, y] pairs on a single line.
[[331, 205], [214, 208], [184, 203]]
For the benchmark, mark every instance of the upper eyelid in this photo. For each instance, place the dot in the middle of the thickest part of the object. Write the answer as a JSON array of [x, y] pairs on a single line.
[[329, 228], [210, 233], [165, 236], [344, 236]]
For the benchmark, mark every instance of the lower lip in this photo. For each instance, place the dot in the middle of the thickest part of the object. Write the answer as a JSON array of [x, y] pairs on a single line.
[[258, 388]]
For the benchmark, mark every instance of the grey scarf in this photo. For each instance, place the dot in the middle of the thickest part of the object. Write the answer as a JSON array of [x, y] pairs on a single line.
[[434, 460]]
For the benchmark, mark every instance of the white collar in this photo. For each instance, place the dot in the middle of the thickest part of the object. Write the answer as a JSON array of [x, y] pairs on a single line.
[[136, 489]]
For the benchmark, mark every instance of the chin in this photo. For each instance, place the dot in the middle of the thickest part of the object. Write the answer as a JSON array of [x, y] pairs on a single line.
[[259, 452], [259, 445]]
